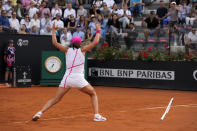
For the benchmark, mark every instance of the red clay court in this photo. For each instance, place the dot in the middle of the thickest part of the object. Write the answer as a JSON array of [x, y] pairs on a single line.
[[127, 109]]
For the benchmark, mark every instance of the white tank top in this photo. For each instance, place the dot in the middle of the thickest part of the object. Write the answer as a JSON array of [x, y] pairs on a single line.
[[75, 61]]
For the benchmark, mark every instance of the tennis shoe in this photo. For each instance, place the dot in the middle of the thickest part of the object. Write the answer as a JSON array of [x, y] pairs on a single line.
[[37, 116], [98, 117]]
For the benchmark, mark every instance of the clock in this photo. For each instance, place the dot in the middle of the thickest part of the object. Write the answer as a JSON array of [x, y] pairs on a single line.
[[53, 64], [53, 67]]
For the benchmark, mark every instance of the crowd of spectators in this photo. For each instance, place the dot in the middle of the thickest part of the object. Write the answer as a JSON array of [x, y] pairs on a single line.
[[79, 17]]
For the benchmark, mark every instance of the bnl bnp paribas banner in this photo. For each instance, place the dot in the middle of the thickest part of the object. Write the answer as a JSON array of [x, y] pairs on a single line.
[[134, 74], [180, 79]]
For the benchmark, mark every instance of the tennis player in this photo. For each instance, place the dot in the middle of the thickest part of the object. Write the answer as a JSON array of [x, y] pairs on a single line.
[[74, 76]]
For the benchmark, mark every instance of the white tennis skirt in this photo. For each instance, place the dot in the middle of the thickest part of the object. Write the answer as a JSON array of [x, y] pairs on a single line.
[[74, 80]]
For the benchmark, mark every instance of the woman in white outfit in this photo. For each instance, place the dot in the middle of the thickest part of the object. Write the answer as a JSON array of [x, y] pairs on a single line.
[[74, 77]]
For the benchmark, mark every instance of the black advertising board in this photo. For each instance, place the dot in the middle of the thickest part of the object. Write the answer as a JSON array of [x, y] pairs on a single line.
[[28, 52], [143, 74]]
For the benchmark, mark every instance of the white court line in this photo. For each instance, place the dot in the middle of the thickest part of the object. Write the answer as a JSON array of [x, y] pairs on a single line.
[[167, 109], [122, 111], [161, 107], [48, 119], [20, 122], [68, 117]]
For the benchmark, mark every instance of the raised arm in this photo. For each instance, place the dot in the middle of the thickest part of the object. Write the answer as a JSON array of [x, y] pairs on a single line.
[[95, 41], [55, 43]]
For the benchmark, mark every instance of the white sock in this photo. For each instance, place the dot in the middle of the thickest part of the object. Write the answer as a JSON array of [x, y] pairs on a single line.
[[96, 115]]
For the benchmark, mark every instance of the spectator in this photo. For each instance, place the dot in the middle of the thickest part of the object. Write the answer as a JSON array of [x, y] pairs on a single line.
[[26, 3], [124, 16], [38, 7], [59, 24], [162, 13], [105, 11], [34, 31], [92, 25], [4, 21], [46, 31], [183, 13], [94, 11], [8, 7], [75, 4], [136, 7], [109, 3], [191, 16], [26, 22], [81, 12], [14, 22], [103, 23], [50, 3], [152, 23], [88, 36], [9, 59], [55, 10], [131, 27], [66, 37], [19, 11], [46, 25], [131, 35], [23, 29], [82, 22], [192, 41], [72, 24], [114, 24], [115, 9], [44, 9], [98, 3], [173, 13], [79, 33], [32, 10], [35, 22], [68, 12], [115, 31]]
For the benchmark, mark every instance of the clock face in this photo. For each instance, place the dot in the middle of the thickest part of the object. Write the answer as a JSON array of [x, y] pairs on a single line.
[[53, 64]]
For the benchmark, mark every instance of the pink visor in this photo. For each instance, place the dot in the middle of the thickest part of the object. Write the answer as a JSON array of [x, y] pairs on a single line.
[[76, 40]]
